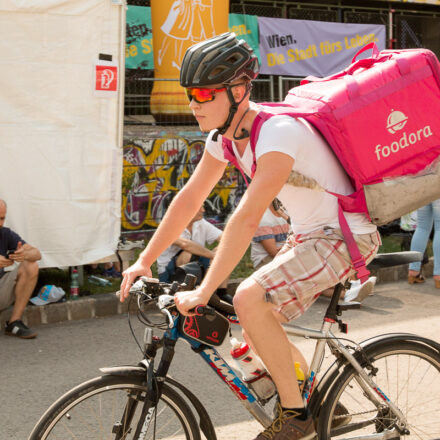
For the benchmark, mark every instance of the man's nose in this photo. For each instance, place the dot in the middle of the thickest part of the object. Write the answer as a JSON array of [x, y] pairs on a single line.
[[193, 104]]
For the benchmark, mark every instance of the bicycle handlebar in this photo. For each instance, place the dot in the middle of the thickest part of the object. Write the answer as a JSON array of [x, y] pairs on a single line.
[[163, 295]]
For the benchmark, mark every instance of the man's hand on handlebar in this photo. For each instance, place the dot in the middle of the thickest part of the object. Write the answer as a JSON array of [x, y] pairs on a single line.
[[129, 277], [187, 301]]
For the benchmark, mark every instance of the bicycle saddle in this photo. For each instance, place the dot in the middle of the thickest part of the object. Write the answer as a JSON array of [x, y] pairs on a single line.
[[394, 259]]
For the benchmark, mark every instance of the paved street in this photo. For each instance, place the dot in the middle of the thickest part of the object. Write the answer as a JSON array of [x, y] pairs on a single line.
[[36, 372]]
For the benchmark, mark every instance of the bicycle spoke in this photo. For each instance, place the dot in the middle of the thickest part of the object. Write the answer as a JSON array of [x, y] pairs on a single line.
[[114, 411], [410, 379]]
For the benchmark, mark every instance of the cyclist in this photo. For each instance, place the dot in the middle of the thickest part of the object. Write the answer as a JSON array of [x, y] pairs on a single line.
[[217, 74]]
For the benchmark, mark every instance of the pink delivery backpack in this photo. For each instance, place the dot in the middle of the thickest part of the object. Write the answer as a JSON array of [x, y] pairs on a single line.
[[381, 117]]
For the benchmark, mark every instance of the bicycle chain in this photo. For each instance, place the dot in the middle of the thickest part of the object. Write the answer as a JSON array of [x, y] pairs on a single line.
[[354, 414]]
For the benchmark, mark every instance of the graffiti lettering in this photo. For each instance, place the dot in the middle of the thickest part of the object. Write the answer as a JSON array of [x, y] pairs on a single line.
[[155, 170]]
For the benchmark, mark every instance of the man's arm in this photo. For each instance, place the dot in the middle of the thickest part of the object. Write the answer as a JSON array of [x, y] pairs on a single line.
[[272, 172], [194, 248], [25, 252], [180, 212], [270, 246]]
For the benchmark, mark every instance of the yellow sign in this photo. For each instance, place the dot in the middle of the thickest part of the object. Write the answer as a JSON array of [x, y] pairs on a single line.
[[177, 25]]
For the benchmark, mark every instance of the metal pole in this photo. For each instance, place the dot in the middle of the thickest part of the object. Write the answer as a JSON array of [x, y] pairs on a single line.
[[280, 88], [271, 89], [391, 39]]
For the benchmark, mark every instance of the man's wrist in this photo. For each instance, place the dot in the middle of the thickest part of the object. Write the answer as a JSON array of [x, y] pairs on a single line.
[[144, 259]]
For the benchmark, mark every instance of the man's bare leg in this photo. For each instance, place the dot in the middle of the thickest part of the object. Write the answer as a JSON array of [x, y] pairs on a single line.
[[26, 281], [297, 356], [269, 339], [183, 258]]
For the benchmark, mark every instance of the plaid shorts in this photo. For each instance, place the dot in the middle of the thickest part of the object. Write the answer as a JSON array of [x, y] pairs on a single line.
[[309, 264]]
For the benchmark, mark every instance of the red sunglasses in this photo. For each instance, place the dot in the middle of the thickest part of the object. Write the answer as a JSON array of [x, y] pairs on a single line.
[[202, 95]]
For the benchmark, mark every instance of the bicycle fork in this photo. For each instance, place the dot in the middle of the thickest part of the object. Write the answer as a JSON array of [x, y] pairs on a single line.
[[152, 396], [375, 394]]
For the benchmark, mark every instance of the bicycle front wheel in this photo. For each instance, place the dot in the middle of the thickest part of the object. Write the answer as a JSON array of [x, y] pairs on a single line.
[[110, 407], [408, 373]]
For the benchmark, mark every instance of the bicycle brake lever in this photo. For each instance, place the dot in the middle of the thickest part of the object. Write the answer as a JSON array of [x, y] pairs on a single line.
[[164, 302]]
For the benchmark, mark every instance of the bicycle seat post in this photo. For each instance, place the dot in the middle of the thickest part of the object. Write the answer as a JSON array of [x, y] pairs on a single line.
[[332, 309]]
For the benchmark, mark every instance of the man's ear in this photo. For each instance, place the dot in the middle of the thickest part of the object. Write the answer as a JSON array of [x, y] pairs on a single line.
[[238, 92]]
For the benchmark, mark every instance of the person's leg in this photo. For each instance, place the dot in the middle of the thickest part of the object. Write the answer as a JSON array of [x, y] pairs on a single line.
[[170, 269], [182, 258], [26, 281], [436, 241], [269, 339], [7, 288], [297, 356], [420, 238]]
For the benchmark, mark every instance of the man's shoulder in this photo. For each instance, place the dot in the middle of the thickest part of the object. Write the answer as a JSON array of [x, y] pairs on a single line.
[[9, 238], [7, 232], [285, 123]]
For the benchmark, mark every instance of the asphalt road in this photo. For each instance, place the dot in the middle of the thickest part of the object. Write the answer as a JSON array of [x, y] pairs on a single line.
[[36, 372]]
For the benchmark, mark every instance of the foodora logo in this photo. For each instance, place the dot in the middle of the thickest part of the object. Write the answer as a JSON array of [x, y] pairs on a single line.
[[396, 122]]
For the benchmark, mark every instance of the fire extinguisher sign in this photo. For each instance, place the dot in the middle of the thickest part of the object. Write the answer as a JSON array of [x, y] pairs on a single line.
[[106, 78]]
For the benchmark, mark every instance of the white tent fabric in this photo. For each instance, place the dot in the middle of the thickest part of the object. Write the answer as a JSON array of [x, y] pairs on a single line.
[[61, 142]]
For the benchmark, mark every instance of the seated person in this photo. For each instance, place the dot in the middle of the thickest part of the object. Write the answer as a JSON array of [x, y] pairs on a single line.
[[16, 285], [270, 236], [191, 246]]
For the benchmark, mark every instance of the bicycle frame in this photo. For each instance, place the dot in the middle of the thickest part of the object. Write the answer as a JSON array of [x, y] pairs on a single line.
[[323, 337]]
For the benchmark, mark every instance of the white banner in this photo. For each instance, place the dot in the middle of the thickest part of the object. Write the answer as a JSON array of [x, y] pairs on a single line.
[[60, 154], [305, 47]]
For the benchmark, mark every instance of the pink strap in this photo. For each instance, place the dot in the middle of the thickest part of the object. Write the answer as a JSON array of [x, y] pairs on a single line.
[[228, 153], [368, 46], [357, 259]]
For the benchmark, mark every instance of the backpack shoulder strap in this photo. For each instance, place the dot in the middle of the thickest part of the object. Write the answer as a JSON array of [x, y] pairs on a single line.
[[259, 120], [229, 154]]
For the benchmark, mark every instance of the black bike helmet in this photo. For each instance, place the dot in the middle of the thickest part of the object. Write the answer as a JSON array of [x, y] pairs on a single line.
[[219, 60]]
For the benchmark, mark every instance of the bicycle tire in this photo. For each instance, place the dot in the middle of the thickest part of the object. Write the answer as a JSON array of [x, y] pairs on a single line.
[[73, 416], [419, 368]]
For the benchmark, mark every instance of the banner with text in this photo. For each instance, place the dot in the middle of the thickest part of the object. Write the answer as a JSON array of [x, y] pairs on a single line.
[[246, 28], [139, 38], [305, 47]]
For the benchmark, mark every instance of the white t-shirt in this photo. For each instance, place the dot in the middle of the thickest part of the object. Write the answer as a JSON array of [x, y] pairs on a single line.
[[309, 209], [202, 232], [271, 226]]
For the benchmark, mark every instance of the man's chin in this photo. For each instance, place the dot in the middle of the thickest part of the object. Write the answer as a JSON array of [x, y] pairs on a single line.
[[205, 127]]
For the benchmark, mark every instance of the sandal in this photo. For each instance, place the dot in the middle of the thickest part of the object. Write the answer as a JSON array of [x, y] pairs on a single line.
[[416, 279]]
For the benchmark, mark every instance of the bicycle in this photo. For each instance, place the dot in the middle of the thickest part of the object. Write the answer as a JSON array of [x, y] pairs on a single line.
[[385, 387]]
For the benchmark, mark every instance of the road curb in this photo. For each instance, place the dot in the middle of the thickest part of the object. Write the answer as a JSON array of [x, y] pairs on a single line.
[[108, 304]]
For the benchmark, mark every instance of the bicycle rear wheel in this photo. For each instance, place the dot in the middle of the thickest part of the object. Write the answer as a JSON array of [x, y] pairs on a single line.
[[110, 407], [408, 373]]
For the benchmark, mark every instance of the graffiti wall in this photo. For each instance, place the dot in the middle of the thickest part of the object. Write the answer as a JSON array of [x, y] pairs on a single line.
[[156, 169]]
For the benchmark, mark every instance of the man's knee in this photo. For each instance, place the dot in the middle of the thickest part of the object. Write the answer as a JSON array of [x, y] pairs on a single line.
[[183, 258], [28, 269], [248, 296]]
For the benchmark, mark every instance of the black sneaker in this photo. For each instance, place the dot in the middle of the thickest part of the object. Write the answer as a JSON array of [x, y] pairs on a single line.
[[19, 329]]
